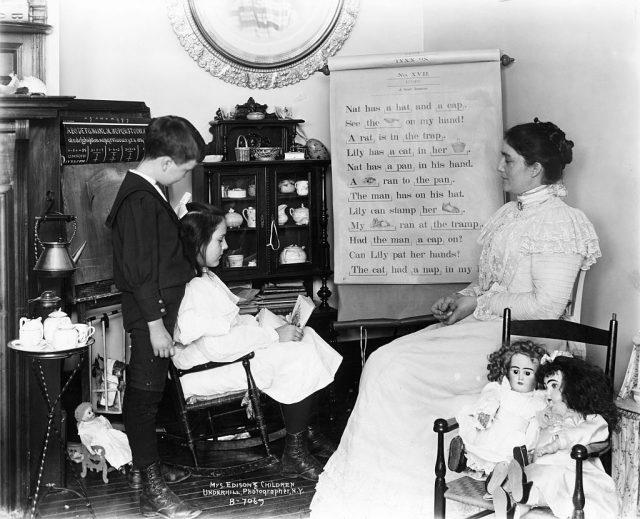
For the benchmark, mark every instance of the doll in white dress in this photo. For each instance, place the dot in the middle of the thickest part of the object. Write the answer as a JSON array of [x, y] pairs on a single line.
[[97, 431], [580, 410], [291, 364], [504, 415]]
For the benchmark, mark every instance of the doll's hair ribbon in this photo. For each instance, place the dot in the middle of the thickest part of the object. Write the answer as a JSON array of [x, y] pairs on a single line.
[[558, 353]]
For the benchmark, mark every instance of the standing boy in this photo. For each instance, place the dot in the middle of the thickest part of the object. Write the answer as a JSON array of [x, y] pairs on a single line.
[[151, 270]]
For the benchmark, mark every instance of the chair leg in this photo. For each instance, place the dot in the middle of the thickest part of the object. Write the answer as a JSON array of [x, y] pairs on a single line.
[[190, 441], [254, 395]]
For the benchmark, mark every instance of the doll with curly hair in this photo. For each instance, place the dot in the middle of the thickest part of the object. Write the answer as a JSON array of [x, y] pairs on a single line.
[[504, 415], [580, 410]]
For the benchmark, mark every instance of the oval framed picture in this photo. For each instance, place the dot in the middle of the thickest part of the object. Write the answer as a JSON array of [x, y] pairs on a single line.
[[262, 43]]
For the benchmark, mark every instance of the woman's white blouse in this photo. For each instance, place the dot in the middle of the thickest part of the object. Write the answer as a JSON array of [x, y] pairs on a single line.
[[532, 250]]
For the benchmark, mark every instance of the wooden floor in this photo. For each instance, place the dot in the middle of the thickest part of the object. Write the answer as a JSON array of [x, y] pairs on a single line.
[[259, 494], [263, 493]]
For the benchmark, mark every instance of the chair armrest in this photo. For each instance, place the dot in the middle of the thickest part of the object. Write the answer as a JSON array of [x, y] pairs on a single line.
[[445, 425], [591, 450], [213, 365]]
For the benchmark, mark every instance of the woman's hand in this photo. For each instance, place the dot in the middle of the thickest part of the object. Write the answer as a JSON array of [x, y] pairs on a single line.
[[454, 308], [289, 332], [443, 307]]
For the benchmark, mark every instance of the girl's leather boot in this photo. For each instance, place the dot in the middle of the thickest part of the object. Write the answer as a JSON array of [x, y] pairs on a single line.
[[296, 460], [157, 499]]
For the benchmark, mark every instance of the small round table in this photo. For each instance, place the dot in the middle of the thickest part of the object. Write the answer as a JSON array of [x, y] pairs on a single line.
[[38, 356]]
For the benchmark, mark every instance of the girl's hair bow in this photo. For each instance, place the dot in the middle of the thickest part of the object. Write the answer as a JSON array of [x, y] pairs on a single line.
[[550, 358]]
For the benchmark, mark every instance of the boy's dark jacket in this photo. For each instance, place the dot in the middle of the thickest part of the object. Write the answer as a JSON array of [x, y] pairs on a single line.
[[149, 263]]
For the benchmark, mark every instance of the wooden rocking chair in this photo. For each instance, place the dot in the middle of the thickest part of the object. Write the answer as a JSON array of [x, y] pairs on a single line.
[[212, 405]]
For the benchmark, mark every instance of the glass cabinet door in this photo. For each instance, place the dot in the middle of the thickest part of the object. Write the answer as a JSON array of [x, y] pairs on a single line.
[[244, 215], [293, 215]]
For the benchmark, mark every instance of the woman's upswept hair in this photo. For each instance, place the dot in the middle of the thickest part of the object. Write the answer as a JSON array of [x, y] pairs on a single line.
[[544, 143], [585, 389], [500, 361], [197, 227]]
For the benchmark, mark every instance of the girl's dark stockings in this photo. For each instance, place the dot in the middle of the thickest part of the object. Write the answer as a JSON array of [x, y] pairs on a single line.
[[297, 416]]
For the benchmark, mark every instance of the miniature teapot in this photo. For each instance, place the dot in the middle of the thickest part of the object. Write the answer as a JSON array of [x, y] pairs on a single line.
[[65, 336], [233, 219], [282, 216], [31, 331], [52, 322], [300, 215], [286, 186], [293, 254]]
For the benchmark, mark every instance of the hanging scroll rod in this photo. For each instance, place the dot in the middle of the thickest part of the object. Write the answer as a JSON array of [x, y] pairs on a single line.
[[505, 61]]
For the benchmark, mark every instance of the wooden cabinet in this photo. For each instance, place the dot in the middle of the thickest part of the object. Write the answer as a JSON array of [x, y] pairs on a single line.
[[288, 240], [275, 227]]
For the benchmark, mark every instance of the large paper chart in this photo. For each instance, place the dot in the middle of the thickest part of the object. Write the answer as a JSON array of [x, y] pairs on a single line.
[[415, 144]]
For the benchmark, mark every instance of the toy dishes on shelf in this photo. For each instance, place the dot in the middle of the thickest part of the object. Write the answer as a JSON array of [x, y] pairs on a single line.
[[209, 159], [249, 214], [293, 254], [302, 187], [237, 192], [300, 215], [233, 219], [282, 216], [286, 186]]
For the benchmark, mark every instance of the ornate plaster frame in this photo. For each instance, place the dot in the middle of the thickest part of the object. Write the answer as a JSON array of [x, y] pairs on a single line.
[[243, 73]]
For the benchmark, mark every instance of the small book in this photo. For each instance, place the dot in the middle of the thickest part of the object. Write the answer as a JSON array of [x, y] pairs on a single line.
[[302, 310]]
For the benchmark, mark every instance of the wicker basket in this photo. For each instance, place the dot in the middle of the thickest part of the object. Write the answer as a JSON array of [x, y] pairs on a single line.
[[242, 152]]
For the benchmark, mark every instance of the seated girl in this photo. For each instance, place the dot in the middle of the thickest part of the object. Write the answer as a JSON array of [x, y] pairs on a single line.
[[580, 410], [290, 365], [504, 415]]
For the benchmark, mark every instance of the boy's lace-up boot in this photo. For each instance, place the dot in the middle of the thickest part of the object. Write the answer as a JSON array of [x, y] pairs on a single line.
[[296, 459], [157, 498]]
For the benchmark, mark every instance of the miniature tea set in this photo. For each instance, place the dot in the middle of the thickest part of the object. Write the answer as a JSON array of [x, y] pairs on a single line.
[[56, 333]]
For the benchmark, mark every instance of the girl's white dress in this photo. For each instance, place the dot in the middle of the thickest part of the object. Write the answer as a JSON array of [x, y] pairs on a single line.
[[211, 327], [384, 465], [513, 424], [554, 474], [99, 431]]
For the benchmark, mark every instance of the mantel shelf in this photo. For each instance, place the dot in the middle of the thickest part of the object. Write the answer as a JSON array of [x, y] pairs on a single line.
[[25, 27]]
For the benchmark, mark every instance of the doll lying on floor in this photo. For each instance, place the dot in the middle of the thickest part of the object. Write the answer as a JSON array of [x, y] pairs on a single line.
[[97, 431], [580, 410]]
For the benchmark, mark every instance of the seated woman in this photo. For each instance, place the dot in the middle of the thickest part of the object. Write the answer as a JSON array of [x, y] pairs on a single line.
[[290, 365], [532, 250]]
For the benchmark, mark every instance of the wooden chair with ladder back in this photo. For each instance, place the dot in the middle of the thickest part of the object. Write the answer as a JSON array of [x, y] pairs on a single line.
[[217, 408], [470, 491]]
